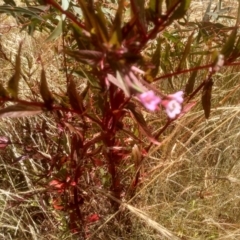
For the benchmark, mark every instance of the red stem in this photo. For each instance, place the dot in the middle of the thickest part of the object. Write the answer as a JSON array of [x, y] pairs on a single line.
[[183, 71]]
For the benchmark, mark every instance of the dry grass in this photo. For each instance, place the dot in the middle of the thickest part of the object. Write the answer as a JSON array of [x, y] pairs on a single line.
[[25, 214], [191, 184]]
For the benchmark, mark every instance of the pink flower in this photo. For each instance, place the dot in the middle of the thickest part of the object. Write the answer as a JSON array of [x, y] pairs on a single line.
[[149, 100], [178, 96], [172, 104], [173, 108]]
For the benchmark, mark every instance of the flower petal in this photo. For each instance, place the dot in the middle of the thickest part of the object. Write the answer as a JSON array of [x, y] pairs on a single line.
[[178, 96], [149, 100], [173, 108]]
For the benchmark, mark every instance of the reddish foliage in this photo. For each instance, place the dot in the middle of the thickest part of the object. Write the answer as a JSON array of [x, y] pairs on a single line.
[[57, 204], [93, 218], [4, 141]]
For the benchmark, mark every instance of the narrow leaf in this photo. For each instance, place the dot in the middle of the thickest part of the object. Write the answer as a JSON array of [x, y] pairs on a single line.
[[89, 23], [56, 32], [93, 21], [33, 12], [20, 110], [238, 14], [85, 91], [191, 80], [178, 8], [90, 57], [44, 90], [236, 50], [119, 82], [81, 39], [116, 35], [137, 156], [100, 30], [229, 45], [155, 61], [185, 52], [74, 97], [3, 92], [13, 83], [206, 97], [156, 6], [114, 80], [102, 23], [139, 12]]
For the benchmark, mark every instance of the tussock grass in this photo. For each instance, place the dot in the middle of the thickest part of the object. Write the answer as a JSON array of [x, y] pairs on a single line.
[[190, 184]]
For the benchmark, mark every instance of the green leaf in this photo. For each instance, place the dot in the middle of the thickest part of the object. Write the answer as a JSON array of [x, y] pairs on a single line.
[[138, 11], [116, 32], [3, 92], [100, 31], [82, 40], [38, 9], [102, 23], [56, 32], [166, 63], [238, 14], [156, 6], [229, 45], [185, 52], [155, 61], [44, 90], [138, 117], [20, 110], [178, 8], [206, 97], [191, 80], [89, 21], [13, 83], [26, 11], [236, 50], [74, 97], [85, 91], [137, 156], [93, 22], [10, 2]]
